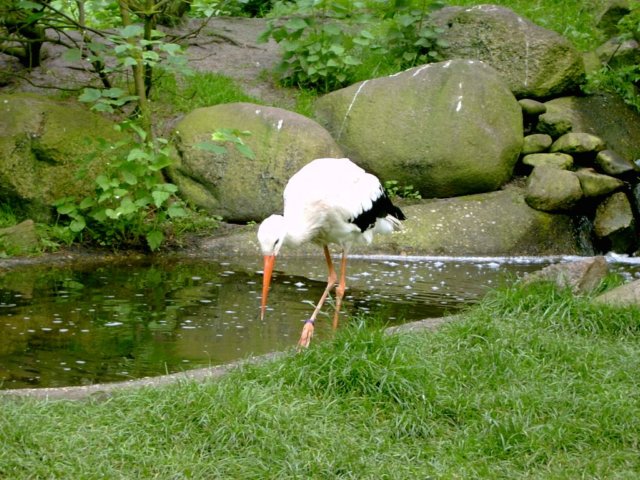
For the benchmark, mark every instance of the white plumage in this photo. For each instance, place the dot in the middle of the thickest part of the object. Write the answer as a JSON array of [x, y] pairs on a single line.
[[330, 200]]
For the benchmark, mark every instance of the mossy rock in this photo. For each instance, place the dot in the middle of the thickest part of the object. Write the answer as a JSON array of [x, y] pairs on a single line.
[[48, 150], [450, 128], [231, 185], [534, 61], [496, 223]]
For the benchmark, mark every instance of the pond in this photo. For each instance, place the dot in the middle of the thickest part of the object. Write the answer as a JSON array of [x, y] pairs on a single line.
[[111, 321]]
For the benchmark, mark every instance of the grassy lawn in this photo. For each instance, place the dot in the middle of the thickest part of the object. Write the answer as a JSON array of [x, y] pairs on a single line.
[[532, 383]]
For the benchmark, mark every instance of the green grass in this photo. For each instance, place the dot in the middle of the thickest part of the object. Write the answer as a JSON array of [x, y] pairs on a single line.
[[532, 383], [198, 90]]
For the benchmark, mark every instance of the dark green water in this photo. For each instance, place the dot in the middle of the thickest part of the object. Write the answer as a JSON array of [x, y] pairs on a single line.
[[111, 322]]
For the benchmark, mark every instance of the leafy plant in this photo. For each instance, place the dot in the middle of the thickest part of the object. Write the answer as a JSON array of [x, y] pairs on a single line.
[[622, 79], [324, 44], [411, 40], [131, 201], [319, 47], [225, 136], [393, 189]]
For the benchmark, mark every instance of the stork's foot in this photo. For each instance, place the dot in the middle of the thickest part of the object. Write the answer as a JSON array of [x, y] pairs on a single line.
[[307, 333]]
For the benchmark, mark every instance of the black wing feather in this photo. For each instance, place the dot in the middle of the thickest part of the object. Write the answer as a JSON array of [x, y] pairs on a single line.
[[380, 208]]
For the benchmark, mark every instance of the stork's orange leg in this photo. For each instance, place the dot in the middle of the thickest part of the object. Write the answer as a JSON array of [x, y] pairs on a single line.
[[341, 288], [307, 330]]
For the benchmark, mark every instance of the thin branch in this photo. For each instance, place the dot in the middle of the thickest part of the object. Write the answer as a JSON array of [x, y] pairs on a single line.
[[51, 87]]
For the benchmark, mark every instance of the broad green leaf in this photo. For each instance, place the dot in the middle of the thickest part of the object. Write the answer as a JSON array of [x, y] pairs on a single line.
[[246, 151], [296, 23], [143, 202], [176, 210], [27, 4], [157, 34], [159, 197], [114, 92], [160, 163], [66, 209], [100, 215], [126, 207], [137, 154], [171, 48], [77, 225], [154, 239], [129, 62], [103, 182], [87, 202], [129, 178], [131, 31], [102, 107], [167, 187], [361, 41], [72, 55], [151, 56], [111, 213], [332, 29], [122, 48], [90, 95]]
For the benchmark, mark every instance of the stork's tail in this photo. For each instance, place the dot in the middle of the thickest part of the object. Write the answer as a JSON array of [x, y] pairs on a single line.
[[395, 217]]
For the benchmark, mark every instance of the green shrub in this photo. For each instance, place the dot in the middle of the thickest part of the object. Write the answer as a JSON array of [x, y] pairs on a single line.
[[131, 202], [327, 45]]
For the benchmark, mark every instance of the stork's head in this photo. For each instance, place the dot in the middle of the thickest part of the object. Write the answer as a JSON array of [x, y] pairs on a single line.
[[271, 236]]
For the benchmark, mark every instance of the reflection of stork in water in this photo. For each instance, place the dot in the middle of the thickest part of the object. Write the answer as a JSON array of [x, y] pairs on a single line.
[[330, 200]]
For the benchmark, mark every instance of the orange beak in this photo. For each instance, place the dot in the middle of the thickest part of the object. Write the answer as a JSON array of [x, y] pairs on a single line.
[[269, 262]]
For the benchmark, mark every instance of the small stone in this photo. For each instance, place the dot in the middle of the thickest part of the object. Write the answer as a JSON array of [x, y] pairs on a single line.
[[612, 163], [596, 184], [581, 276], [624, 295], [614, 222], [562, 161], [555, 124], [550, 189], [578, 142], [536, 143], [21, 237], [532, 107]]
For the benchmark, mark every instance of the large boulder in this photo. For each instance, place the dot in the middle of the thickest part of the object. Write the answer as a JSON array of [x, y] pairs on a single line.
[[43, 146], [495, 223], [449, 128], [534, 61], [230, 184]]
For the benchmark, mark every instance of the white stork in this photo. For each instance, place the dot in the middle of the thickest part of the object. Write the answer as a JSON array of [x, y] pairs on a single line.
[[329, 200]]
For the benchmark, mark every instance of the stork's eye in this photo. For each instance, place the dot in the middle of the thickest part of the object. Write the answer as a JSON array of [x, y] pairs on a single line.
[[275, 244]]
